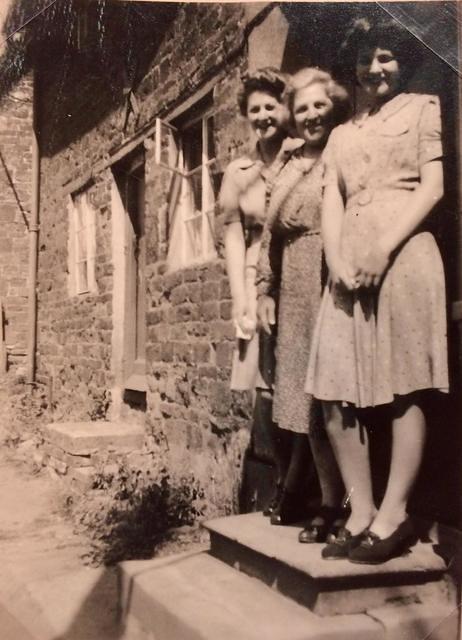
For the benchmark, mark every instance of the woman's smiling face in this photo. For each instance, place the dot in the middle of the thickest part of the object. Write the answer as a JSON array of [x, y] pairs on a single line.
[[378, 72], [267, 116], [312, 114]]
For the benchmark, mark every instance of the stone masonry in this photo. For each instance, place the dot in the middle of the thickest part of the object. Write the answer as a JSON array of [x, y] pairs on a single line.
[[189, 334], [15, 201]]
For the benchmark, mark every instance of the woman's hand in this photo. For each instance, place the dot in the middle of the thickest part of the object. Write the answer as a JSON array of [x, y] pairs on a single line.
[[342, 272], [239, 312], [371, 264], [266, 313]]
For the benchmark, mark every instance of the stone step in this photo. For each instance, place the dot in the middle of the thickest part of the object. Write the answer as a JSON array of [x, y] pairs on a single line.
[[197, 597], [273, 554], [83, 438], [194, 596], [74, 449]]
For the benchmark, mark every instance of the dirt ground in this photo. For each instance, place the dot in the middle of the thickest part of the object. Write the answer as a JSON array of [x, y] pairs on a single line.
[[43, 582]]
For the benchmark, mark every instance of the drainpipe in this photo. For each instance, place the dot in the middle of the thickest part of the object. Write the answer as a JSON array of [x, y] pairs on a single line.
[[33, 245]]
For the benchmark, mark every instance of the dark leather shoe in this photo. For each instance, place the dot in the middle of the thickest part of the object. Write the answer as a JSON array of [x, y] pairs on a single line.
[[330, 521], [375, 550], [274, 501], [340, 548], [291, 509]]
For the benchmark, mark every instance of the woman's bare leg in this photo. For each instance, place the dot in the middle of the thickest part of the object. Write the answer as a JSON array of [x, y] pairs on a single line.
[[350, 444], [409, 431]]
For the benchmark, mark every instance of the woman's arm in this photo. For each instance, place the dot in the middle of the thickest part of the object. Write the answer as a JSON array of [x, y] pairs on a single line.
[[235, 267], [375, 259], [331, 228]]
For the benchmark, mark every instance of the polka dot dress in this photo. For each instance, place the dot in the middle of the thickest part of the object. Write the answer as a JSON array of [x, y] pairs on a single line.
[[372, 344]]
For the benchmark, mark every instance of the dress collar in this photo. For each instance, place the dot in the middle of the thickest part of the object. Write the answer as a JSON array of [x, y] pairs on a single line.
[[288, 146], [387, 110]]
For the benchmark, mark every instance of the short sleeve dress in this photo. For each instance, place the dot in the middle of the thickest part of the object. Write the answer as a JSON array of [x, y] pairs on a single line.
[[373, 344], [243, 198], [289, 270]]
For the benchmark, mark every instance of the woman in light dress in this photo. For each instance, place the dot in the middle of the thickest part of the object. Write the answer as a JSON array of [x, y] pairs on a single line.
[[381, 332], [243, 199]]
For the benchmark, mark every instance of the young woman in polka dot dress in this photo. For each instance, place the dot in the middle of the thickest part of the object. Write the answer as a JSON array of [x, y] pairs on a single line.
[[381, 332]]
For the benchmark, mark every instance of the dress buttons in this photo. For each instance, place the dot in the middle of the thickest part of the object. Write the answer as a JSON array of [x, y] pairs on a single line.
[[365, 197]]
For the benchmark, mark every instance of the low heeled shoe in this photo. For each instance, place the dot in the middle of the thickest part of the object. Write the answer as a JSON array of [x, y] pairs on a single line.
[[330, 521], [340, 548], [290, 509], [375, 550]]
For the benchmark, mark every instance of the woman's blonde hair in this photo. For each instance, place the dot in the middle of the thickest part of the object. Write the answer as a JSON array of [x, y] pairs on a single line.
[[338, 94]]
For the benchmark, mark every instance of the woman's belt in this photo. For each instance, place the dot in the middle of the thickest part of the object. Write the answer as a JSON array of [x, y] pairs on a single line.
[[366, 196], [290, 235]]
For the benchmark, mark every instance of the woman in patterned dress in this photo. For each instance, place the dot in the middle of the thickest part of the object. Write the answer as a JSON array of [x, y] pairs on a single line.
[[289, 278], [243, 201], [381, 332]]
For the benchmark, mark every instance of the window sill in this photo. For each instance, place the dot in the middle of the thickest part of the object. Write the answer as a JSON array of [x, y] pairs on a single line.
[[136, 382], [193, 263]]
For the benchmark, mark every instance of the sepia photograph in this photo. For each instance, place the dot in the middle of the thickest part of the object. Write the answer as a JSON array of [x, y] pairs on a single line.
[[230, 320]]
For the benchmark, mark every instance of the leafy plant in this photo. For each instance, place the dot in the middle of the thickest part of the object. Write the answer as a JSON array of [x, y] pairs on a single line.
[[129, 514]]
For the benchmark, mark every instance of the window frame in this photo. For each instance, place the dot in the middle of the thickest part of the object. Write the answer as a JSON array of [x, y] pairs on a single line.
[[82, 225], [181, 190]]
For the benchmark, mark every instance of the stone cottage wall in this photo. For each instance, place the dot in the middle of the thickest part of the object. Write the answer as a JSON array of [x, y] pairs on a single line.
[[189, 334], [15, 202]]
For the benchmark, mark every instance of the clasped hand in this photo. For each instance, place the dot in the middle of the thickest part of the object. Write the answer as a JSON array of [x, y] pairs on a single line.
[[266, 313], [367, 270]]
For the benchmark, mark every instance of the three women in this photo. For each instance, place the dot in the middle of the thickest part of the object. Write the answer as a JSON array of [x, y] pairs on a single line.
[[380, 335]]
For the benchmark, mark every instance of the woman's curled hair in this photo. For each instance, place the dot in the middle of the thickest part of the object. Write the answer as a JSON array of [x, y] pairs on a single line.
[[378, 31], [267, 80]]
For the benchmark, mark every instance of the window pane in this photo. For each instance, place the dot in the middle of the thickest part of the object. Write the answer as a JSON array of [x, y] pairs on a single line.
[[192, 145], [80, 217], [81, 245], [210, 139], [196, 187], [194, 231], [82, 280]]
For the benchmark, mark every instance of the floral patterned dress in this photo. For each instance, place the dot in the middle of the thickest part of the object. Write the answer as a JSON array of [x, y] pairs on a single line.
[[289, 270], [372, 344]]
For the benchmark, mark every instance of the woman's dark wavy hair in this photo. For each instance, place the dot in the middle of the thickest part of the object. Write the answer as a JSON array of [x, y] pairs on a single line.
[[378, 31], [268, 80], [338, 94]]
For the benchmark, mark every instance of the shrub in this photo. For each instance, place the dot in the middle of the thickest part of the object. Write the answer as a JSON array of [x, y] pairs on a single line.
[[129, 514]]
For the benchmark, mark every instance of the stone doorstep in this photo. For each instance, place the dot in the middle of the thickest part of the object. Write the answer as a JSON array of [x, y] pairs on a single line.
[[194, 596], [252, 545], [84, 438]]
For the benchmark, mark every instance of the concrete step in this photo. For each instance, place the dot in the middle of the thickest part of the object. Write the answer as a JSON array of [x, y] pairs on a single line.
[[273, 554], [194, 596]]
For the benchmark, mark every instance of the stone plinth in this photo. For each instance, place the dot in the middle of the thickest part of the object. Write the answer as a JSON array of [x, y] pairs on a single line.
[[72, 449], [83, 438]]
